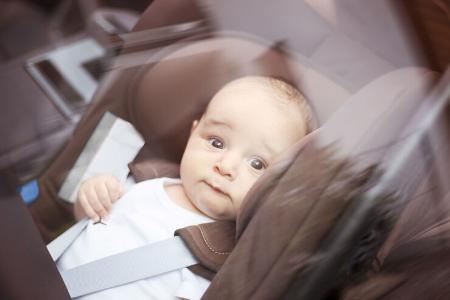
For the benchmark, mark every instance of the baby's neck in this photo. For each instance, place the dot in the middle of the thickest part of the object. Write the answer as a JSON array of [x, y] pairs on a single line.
[[177, 194]]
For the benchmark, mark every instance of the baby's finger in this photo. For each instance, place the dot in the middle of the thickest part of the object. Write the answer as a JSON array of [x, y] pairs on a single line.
[[87, 207], [95, 203], [115, 190], [103, 196]]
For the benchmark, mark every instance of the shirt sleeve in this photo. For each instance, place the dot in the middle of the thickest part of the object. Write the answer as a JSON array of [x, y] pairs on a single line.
[[192, 286]]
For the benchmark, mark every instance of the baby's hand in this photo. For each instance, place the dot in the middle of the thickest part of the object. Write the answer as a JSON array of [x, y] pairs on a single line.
[[96, 197]]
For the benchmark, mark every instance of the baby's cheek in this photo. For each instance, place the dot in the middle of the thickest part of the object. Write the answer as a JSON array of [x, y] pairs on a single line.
[[248, 184], [237, 204], [245, 187]]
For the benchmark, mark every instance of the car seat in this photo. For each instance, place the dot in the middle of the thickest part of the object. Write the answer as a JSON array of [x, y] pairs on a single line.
[[154, 83]]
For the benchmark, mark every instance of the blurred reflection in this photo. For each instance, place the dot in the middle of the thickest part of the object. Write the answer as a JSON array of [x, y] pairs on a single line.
[[373, 72]]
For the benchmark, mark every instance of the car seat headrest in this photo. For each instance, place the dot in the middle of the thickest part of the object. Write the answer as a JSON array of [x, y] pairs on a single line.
[[372, 120]]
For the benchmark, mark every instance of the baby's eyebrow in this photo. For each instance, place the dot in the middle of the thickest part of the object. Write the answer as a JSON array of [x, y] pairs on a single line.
[[268, 147], [214, 122]]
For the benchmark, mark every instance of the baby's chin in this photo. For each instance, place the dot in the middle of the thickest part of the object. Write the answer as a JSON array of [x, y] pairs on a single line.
[[217, 213]]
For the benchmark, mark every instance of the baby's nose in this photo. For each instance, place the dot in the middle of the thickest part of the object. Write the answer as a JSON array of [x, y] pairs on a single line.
[[227, 166]]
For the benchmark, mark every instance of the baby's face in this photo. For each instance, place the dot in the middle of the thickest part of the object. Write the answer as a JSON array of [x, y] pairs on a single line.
[[243, 130]]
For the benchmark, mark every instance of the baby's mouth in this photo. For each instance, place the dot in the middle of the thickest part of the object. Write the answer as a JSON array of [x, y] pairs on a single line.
[[216, 189]]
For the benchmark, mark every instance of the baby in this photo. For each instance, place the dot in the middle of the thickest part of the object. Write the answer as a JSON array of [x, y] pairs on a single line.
[[247, 124]]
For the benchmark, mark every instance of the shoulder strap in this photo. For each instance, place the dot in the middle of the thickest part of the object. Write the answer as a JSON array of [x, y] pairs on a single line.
[[129, 266], [60, 244], [210, 245]]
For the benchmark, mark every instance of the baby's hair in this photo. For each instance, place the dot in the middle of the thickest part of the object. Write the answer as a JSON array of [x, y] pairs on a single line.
[[286, 91]]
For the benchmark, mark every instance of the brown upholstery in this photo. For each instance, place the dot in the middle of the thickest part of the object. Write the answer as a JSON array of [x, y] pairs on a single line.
[[26, 269], [211, 243]]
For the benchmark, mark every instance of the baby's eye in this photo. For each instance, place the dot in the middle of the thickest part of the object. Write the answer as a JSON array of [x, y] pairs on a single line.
[[257, 164], [215, 142]]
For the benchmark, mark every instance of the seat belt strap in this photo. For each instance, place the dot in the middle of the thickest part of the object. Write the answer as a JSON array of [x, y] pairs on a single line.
[[62, 242], [136, 264], [129, 266]]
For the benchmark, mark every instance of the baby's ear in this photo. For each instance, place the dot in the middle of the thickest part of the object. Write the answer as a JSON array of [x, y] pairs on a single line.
[[194, 125]]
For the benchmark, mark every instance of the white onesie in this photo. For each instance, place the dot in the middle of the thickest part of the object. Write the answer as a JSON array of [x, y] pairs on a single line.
[[144, 215]]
